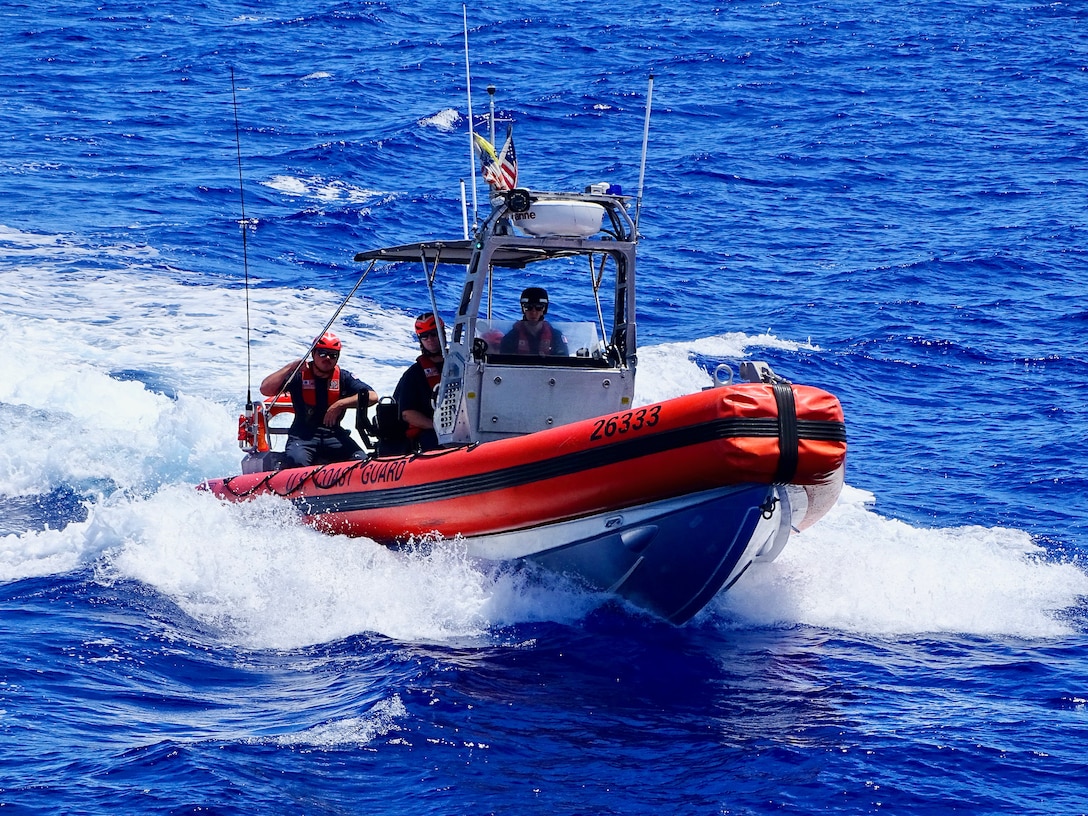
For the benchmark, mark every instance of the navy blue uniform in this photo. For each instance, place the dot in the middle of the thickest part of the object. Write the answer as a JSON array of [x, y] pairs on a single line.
[[309, 440], [414, 393]]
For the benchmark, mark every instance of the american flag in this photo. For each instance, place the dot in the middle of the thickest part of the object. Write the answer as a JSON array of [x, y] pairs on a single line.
[[500, 169]]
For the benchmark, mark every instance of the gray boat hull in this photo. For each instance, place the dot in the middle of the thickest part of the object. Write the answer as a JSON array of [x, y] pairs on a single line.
[[669, 557]]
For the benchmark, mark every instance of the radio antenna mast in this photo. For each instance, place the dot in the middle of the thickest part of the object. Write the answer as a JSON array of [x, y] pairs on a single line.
[[471, 129], [645, 142], [245, 226]]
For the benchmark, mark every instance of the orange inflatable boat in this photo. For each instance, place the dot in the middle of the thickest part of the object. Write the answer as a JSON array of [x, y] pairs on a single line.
[[548, 458]]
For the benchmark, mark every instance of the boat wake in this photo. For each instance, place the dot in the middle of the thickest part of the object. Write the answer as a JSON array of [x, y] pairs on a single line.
[[260, 579], [100, 459], [860, 572]]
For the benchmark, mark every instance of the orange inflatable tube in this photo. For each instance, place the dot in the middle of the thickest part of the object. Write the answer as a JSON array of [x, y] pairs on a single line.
[[745, 433]]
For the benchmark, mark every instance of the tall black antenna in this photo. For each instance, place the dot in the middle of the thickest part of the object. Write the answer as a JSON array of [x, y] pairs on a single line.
[[244, 224]]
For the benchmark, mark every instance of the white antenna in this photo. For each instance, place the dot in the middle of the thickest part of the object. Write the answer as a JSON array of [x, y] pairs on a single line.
[[471, 131], [645, 141], [464, 211], [491, 113]]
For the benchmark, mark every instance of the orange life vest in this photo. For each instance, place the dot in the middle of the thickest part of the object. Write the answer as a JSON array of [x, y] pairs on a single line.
[[545, 346], [433, 372], [309, 385]]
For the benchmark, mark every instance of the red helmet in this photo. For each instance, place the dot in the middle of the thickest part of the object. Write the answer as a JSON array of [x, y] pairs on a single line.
[[328, 341], [427, 322]]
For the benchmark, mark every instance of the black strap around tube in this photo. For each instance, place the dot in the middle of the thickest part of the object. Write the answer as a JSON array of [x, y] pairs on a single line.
[[787, 432]]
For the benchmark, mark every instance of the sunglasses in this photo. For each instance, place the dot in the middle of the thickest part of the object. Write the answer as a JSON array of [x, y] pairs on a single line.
[[532, 307], [332, 355], [429, 335]]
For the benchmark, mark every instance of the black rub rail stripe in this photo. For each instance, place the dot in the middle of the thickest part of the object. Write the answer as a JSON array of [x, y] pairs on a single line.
[[518, 475]]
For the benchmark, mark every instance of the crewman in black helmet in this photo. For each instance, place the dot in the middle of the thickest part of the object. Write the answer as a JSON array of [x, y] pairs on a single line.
[[533, 334]]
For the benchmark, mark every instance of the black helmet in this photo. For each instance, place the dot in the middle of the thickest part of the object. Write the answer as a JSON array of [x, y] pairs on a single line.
[[534, 296]]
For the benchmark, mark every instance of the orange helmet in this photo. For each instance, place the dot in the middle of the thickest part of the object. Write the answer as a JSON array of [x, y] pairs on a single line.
[[427, 322], [328, 341]]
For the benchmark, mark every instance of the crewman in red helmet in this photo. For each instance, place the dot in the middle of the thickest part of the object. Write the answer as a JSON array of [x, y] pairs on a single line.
[[321, 392], [418, 387]]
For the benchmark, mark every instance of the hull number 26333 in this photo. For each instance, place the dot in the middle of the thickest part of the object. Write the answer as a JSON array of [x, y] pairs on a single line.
[[627, 422]]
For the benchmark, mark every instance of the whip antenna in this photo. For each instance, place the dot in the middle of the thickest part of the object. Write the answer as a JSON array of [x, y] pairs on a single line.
[[313, 343], [471, 130], [244, 225], [645, 141]]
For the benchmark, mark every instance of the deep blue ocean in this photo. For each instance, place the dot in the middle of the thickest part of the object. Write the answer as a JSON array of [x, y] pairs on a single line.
[[884, 199]]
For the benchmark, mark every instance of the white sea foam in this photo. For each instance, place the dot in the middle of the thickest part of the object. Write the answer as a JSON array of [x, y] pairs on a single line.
[[861, 572], [327, 191], [667, 371], [445, 120], [125, 385], [382, 719], [37, 553], [264, 580]]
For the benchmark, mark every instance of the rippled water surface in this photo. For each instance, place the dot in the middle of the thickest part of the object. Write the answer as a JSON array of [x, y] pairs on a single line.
[[885, 200]]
